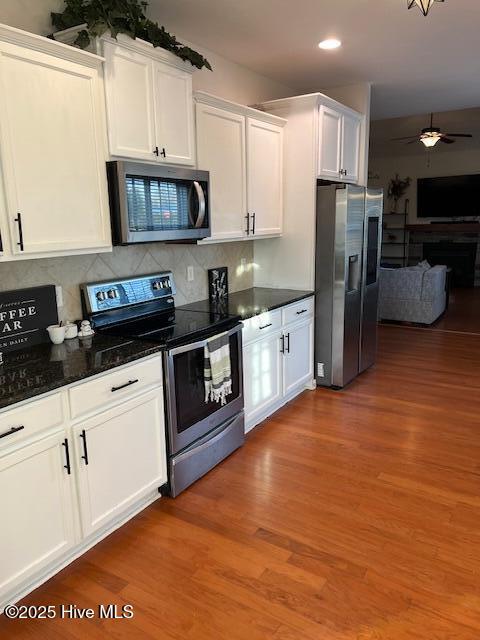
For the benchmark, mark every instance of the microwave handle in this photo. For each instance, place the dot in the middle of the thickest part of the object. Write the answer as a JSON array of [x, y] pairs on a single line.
[[201, 206]]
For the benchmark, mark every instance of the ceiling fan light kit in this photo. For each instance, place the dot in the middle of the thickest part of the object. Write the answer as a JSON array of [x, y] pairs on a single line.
[[424, 5], [431, 135]]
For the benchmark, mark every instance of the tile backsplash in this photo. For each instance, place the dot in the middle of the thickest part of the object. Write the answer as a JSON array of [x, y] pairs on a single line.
[[69, 272]]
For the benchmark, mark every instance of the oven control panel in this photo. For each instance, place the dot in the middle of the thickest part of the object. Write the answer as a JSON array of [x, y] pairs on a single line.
[[115, 294]]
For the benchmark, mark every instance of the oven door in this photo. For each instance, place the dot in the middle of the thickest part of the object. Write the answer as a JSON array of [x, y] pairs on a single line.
[[155, 204], [189, 416]]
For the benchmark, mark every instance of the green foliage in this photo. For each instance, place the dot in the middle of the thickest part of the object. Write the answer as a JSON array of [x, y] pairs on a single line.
[[121, 16], [398, 187]]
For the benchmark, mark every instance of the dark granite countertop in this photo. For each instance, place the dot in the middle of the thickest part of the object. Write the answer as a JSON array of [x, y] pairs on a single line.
[[251, 302], [28, 373]]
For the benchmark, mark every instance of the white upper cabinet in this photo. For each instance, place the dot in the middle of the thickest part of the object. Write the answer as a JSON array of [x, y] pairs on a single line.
[[339, 144], [242, 148], [330, 143], [174, 114], [351, 147], [128, 86], [149, 102], [221, 150], [52, 148], [265, 177]]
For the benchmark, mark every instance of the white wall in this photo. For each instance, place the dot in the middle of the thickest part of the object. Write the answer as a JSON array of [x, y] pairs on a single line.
[[442, 163], [30, 15], [228, 79]]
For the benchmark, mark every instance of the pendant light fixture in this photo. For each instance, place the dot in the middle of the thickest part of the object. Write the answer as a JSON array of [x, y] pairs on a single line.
[[425, 5]]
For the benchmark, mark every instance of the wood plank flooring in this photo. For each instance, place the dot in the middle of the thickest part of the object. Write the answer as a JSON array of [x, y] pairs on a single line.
[[348, 515], [463, 313]]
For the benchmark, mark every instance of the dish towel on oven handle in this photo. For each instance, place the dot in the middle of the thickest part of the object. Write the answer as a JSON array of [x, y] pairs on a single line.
[[217, 369]]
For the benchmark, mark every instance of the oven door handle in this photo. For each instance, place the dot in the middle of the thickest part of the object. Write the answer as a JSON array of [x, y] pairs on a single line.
[[201, 343], [202, 208]]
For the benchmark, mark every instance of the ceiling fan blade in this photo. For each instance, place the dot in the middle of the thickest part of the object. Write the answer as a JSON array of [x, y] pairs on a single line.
[[459, 135], [405, 138], [446, 140], [412, 141]]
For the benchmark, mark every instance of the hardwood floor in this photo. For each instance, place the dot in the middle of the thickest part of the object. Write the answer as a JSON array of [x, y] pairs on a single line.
[[463, 313], [348, 515]]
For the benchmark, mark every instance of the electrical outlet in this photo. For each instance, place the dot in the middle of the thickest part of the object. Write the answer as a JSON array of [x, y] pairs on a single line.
[[320, 370], [190, 274], [59, 294]]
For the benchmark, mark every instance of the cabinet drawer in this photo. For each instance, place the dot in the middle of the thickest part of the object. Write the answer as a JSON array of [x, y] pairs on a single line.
[[114, 387], [298, 311], [261, 325], [30, 419]]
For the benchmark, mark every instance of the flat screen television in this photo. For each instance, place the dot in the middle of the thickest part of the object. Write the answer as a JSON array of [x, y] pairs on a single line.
[[448, 197]]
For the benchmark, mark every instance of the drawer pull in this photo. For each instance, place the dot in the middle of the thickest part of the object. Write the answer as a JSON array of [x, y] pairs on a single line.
[[11, 431], [67, 457], [265, 326], [124, 386], [83, 437], [299, 313]]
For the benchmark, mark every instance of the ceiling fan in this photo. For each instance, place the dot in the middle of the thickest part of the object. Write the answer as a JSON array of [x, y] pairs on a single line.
[[431, 135]]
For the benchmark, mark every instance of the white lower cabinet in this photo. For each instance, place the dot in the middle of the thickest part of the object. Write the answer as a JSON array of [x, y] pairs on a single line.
[[298, 363], [37, 510], [65, 482], [121, 458], [278, 365], [262, 374]]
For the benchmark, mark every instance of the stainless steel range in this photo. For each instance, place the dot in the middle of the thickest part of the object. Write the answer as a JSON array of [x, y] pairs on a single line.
[[200, 433]]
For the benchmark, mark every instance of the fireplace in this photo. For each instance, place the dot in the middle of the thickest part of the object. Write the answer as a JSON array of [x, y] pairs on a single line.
[[459, 256]]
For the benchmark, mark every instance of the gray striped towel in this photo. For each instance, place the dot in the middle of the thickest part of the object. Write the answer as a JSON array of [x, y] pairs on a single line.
[[217, 369]]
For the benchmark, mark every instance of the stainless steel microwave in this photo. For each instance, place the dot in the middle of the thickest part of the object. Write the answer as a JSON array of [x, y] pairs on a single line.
[[151, 203]]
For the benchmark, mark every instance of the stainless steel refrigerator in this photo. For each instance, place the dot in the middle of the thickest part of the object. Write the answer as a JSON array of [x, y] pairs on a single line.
[[349, 236]]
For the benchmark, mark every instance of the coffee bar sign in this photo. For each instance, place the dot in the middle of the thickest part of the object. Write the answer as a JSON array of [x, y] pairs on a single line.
[[24, 316]]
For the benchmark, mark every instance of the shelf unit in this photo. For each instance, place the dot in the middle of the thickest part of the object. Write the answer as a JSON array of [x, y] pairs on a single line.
[[397, 223]]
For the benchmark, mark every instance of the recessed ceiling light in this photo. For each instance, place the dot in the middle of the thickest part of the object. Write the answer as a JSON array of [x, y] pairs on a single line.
[[330, 43]]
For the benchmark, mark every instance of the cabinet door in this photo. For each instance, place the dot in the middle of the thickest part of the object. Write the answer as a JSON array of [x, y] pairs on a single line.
[[37, 511], [221, 151], [351, 147], [330, 143], [53, 152], [298, 362], [120, 458], [174, 114], [129, 92], [265, 177], [262, 378]]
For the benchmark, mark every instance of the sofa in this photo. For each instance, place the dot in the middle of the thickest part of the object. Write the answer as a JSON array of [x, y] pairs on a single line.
[[413, 294]]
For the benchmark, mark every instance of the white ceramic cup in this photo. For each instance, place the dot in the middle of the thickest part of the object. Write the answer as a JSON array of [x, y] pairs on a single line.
[[57, 333], [72, 331]]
